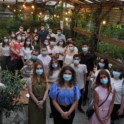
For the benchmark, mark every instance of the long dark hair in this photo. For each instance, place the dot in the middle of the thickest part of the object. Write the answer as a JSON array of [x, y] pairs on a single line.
[[106, 63], [97, 83], [3, 43], [63, 43], [51, 69], [29, 44], [60, 76]]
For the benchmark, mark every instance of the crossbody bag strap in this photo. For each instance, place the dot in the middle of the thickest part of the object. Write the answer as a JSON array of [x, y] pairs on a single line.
[[105, 99]]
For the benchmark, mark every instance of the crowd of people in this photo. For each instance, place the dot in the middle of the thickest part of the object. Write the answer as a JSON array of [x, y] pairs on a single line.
[[52, 66]]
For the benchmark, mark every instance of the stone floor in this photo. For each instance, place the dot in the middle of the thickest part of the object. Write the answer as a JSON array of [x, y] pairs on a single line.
[[79, 117]]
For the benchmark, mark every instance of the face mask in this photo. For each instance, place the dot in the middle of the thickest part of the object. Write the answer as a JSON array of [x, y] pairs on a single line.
[[13, 35], [61, 43], [19, 38], [42, 28], [35, 31], [28, 31], [71, 48], [85, 49], [104, 81], [54, 65], [46, 43], [23, 38], [58, 32], [116, 74], [48, 38], [44, 53], [27, 42], [5, 40], [76, 62], [34, 57], [101, 65], [39, 71], [20, 30], [50, 31], [67, 77], [35, 38], [52, 43]]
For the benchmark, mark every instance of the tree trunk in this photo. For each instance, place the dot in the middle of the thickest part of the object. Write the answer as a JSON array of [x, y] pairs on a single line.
[[1, 117]]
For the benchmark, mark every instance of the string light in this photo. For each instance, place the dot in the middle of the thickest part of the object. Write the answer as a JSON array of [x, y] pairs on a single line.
[[103, 22], [54, 15], [14, 10], [32, 7], [66, 19], [57, 16], [31, 12], [8, 6]]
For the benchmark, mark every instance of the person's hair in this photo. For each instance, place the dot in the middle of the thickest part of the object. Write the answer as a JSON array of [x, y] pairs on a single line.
[[97, 82], [71, 43], [30, 61], [51, 69], [29, 44], [106, 63], [43, 46], [69, 38], [118, 68], [63, 43], [84, 43], [59, 29], [34, 75], [76, 55], [35, 50], [52, 39], [3, 43], [37, 39], [60, 76]]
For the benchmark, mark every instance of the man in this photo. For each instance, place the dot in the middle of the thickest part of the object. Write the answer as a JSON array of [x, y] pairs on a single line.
[[87, 59], [51, 33], [59, 36], [52, 49], [21, 30], [81, 71], [42, 34]]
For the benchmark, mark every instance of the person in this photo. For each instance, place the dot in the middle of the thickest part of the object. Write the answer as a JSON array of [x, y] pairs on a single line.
[[52, 75], [65, 94], [21, 30], [15, 47], [33, 58], [45, 58], [118, 83], [35, 32], [68, 57], [13, 37], [46, 42], [42, 34], [102, 92], [51, 32], [48, 36], [23, 37], [59, 36], [52, 49], [26, 51], [28, 33], [87, 59], [5, 58], [38, 90], [81, 71], [61, 48]]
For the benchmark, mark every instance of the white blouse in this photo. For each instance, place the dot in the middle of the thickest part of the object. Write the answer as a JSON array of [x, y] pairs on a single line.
[[61, 50], [6, 51], [68, 60]]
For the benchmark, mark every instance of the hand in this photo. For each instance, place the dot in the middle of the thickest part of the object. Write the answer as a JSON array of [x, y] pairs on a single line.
[[40, 104], [120, 112], [88, 78], [102, 121], [65, 115], [106, 119]]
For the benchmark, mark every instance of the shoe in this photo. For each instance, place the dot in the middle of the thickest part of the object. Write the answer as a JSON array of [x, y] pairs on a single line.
[[84, 103], [81, 110], [51, 115]]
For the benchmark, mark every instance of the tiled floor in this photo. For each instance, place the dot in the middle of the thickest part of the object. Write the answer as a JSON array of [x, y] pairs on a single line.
[[79, 117]]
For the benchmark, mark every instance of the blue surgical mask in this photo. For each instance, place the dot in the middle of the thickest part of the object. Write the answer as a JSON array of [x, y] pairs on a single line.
[[35, 31], [54, 65], [46, 43], [13, 35], [104, 81], [116, 74], [48, 37], [101, 65], [44, 53], [27, 42], [5, 40], [20, 30], [52, 43], [34, 57], [61, 43], [85, 49], [58, 32], [42, 29], [50, 31], [35, 38], [76, 62], [71, 48], [19, 38], [39, 71], [67, 77]]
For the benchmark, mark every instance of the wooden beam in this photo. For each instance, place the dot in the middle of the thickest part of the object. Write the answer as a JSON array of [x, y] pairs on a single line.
[[111, 60]]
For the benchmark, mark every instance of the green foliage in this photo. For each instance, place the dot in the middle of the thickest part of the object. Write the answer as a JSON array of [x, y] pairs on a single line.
[[11, 92]]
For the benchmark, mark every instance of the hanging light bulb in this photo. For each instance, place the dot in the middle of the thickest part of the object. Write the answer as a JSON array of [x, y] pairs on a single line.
[[103, 22], [32, 7]]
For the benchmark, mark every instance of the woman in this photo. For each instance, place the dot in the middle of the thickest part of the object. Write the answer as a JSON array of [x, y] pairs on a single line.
[[118, 84], [102, 92], [35, 32], [26, 50], [48, 36], [13, 37], [61, 48], [52, 75], [68, 57], [65, 94], [38, 90], [5, 58], [46, 42]]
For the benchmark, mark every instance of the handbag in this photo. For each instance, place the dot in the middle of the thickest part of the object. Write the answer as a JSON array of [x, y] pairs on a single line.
[[90, 111]]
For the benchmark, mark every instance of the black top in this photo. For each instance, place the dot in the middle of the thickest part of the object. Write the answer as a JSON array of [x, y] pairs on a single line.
[[88, 60]]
